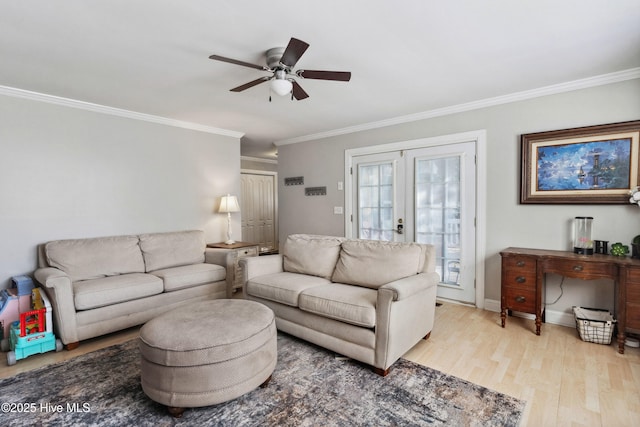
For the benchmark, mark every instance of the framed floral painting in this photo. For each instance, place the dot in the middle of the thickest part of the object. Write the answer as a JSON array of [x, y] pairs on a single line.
[[587, 165]]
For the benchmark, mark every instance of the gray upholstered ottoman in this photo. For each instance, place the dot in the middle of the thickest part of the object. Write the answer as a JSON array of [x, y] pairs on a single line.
[[207, 353]]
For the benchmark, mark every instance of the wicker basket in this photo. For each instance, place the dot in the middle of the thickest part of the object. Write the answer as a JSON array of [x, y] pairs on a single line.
[[594, 325]]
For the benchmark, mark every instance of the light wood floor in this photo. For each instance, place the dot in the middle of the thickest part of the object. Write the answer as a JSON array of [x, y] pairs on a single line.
[[565, 381]]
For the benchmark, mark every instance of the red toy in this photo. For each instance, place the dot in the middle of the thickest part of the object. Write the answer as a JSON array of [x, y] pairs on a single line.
[[33, 333]]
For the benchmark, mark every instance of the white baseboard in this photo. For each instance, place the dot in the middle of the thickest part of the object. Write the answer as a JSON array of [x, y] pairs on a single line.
[[554, 317]]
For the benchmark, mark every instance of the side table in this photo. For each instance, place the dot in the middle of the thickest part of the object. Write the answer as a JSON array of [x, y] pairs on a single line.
[[243, 250]]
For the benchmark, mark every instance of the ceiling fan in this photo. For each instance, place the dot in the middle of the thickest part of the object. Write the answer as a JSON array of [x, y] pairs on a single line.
[[280, 62]]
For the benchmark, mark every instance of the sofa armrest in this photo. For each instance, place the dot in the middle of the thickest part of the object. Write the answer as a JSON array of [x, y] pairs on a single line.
[[408, 286], [224, 257], [58, 287], [405, 313], [260, 265]]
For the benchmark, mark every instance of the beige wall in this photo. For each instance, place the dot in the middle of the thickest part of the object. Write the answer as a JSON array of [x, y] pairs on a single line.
[[70, 173], [508, 223]]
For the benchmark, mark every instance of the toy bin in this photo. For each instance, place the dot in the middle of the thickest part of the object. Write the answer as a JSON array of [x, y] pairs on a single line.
[[594, 325], [33, 332]]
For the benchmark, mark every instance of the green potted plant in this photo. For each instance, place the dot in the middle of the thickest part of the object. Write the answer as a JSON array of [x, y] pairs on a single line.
[[618, 249]]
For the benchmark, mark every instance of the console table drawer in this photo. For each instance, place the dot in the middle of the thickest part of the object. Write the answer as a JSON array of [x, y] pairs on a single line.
[[521, 264], [248, 252], [519, 279], [519, 299], [585, 270]]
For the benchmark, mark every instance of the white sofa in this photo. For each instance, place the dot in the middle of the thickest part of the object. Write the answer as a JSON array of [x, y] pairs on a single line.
[[105, 284], [369, 300]]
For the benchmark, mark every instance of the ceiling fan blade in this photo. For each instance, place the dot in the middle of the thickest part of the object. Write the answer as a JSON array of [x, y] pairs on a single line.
[[250, 84], [298, 92], [235, 61], [293, 52], [342, 76]]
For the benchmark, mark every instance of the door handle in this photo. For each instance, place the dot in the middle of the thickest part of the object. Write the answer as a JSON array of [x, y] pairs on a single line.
[[400, 227]]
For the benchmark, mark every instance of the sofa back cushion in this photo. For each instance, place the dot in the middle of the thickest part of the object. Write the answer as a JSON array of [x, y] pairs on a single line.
[[312, 255], [165, 250], [84, 259], [372, 263]]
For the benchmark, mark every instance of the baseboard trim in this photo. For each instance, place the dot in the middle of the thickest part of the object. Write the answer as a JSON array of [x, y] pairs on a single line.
[[551, 316]]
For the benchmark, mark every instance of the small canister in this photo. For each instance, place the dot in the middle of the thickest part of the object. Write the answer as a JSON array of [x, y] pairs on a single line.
[[582, 243]]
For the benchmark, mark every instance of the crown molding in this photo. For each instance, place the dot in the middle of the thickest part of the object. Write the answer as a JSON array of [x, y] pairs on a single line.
[[620, 76], [103, 109], [259, 159]]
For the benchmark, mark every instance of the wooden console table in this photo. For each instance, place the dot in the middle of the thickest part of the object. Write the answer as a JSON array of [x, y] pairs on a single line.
[[523, 290]]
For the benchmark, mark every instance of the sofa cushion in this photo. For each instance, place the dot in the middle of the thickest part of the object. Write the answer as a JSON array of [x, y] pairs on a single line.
[[84, 259], [284, 287], [309, 254], [88, 294], [165, 250], [372, 263], [190, 275], [346, 303]]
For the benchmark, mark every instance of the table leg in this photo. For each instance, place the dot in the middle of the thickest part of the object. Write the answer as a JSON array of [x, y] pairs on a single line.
[[621, 340]]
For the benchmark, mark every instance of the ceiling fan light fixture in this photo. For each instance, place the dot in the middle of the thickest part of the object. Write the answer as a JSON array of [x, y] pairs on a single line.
[[281, 87]]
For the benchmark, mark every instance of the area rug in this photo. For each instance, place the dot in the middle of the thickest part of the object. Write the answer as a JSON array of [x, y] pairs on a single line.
[[310, 387]]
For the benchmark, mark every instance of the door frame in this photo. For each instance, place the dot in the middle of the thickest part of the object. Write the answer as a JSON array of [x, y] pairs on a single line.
[[480, 139]]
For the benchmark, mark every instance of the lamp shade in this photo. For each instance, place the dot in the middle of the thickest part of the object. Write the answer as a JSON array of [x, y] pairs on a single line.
[[281, 86], [228, 204]]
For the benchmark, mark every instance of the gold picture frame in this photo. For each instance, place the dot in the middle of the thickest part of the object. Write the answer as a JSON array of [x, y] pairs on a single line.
[[586, 165]]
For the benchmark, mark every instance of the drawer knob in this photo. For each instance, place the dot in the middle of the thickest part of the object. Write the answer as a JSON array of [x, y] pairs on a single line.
[[520, 298], [521, 279], [520, 263], [577, 267]]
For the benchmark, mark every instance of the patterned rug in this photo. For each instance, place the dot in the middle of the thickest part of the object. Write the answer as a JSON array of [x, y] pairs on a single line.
[[310, 387]]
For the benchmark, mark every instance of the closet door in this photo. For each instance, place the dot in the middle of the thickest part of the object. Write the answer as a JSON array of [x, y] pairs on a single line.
[[258, 209]]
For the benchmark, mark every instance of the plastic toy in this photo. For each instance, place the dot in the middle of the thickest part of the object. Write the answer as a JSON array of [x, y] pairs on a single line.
[[13, 301], [33, 333]]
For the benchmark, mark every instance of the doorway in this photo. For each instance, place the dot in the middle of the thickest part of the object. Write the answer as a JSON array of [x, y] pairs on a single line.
[[258, 198], [424, 191]]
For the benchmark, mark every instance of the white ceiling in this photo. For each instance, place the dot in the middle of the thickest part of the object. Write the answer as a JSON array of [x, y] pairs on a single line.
[[406, 56]]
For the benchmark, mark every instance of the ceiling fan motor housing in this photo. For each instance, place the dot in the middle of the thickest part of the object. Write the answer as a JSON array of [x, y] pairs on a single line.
[[274, 55]]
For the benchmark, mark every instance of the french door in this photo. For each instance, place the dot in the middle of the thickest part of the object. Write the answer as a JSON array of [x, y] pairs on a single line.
[[424, 195]]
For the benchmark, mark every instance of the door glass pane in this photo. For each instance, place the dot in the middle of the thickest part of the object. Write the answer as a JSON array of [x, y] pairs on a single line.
[[438, 212], [375, 201]]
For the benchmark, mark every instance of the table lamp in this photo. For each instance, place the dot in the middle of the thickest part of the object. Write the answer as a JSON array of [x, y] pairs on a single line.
[[229, 204]]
